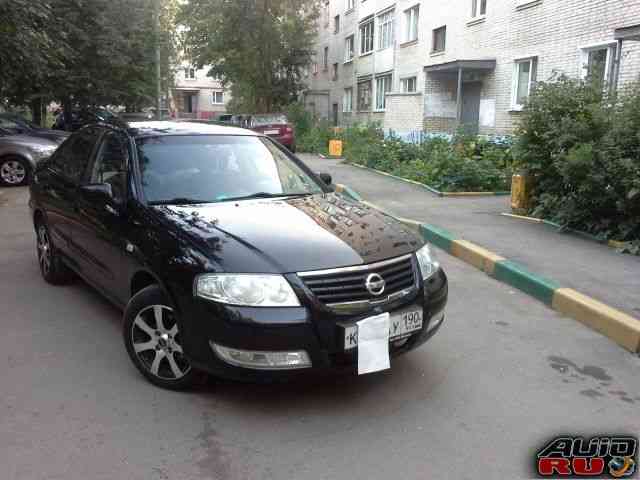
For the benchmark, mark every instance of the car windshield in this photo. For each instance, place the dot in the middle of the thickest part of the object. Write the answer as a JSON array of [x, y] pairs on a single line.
[[215, 168], [261, 120]]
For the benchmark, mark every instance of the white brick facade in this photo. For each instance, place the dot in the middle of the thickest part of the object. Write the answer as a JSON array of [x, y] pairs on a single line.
[[556, 33]]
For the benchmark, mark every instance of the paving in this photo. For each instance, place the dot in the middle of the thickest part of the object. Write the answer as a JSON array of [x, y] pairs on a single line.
[[503, 375], [589, 267]]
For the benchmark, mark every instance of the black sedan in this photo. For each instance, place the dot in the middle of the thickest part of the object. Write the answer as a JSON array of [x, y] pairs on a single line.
[[229, 256]]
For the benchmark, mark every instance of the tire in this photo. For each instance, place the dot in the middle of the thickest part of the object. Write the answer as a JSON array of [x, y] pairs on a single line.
[[14, 171], [152, 338], [52, 267]]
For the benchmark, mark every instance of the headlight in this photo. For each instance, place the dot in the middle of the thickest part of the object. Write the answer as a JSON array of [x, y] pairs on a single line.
[[247, 290], [427, 261], [40, 153]]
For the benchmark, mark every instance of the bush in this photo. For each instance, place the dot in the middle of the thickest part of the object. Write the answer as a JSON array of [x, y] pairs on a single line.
[[463, 164], [583, 150]]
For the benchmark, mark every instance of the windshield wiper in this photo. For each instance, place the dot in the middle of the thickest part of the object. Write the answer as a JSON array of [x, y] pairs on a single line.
[[178, 201], [265, 195]]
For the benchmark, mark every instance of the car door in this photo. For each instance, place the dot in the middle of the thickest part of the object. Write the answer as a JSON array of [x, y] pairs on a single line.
[[58, 184], [101, 229]]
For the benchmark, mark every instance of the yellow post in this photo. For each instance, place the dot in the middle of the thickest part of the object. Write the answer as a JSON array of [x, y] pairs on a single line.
[[335, 148], [520, 192]]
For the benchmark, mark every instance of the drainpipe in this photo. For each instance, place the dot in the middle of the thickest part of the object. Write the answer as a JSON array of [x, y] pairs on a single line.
[[616, 72], [459, 98]]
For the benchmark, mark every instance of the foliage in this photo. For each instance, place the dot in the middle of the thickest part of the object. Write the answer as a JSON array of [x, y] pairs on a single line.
[[259, 47], [465, 163], [96, 52], [582, 148], [300, 117]]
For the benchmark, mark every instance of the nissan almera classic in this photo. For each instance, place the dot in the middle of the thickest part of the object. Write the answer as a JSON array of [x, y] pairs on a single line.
[[230, 256]]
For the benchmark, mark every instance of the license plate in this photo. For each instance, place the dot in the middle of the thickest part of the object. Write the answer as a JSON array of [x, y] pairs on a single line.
[[401, 324], [272, 132]]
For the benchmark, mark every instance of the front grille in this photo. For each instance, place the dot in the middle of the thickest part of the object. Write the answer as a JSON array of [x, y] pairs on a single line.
[[346, 285]]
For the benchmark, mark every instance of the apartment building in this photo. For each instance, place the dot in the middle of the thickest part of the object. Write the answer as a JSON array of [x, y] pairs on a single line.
[[433, 65], [196, 95]]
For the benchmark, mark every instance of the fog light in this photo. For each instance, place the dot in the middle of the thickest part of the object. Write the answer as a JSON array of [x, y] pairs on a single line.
[[262, 360], [435, 320]]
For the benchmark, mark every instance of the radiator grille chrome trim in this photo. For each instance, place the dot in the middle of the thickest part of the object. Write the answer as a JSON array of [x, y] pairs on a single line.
[[355, 268], [343, 289]]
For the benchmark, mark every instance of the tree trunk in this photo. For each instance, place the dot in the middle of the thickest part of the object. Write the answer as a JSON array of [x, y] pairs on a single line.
[[36, 111]]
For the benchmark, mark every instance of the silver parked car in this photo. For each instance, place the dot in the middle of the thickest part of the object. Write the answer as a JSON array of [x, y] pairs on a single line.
[[22, 148]]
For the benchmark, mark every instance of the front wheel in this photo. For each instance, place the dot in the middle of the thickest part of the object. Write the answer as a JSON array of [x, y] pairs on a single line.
[[14, 171], [152, 338]]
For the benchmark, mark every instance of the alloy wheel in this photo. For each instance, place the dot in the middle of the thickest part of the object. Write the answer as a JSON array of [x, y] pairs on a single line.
[[13, 172], [44, 250], [156, 342]]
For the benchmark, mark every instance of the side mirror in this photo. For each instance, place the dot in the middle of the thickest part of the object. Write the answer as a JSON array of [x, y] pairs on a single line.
[[98, 191], [326, 178]]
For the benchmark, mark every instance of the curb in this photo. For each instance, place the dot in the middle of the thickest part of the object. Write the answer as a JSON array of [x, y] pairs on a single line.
[[610, 243], [348, 192], [612, 323], [431, 189]]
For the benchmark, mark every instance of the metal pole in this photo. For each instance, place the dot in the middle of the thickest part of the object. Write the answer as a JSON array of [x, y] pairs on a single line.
[[156, 25], [459, 98]]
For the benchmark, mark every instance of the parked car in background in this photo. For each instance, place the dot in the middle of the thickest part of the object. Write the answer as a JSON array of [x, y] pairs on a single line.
[[21, 152], [16, 124], [276, 126], [86, 116], [229, 255]]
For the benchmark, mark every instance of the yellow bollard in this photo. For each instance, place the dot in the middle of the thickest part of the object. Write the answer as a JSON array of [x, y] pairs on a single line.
[[520, 192], [335, 148]]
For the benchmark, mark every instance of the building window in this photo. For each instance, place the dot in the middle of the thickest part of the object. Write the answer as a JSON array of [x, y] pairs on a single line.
[[385, 30], [408, 85], [349, 46], [351, 4], [364, 96], [383, 86], [411, 18], [366, 37], [598, 63], [439, 40], [217, 98], [524, 75], [335, 72], [347, 100], [336, 24], [325, 59], [478, 8], [190, 73]]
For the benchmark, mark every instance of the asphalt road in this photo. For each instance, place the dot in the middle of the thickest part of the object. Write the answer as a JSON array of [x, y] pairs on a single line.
[[503, 375]]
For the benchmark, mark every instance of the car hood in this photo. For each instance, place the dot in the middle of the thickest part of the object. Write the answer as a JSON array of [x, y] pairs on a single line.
[[290, 235], [57, 136]]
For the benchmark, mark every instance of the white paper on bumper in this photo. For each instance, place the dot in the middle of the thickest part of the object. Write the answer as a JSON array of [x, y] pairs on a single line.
[[373, 344]]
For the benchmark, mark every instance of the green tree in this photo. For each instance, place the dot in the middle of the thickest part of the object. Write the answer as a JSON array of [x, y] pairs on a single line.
[[259, 47], [84, 52]]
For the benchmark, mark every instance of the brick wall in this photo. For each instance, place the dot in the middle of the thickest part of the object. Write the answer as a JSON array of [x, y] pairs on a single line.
[[404, 112]]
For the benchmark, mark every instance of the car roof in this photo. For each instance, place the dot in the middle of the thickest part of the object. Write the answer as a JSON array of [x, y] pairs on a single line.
[[154, 128]]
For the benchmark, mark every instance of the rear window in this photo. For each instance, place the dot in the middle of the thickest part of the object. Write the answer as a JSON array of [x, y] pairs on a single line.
[[261, 120]]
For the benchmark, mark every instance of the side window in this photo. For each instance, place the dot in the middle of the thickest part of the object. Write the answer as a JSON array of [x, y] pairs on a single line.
[[73, 156], [111, 165]]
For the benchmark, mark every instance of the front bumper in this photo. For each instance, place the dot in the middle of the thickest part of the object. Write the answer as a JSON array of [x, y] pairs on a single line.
[[312, 327]]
